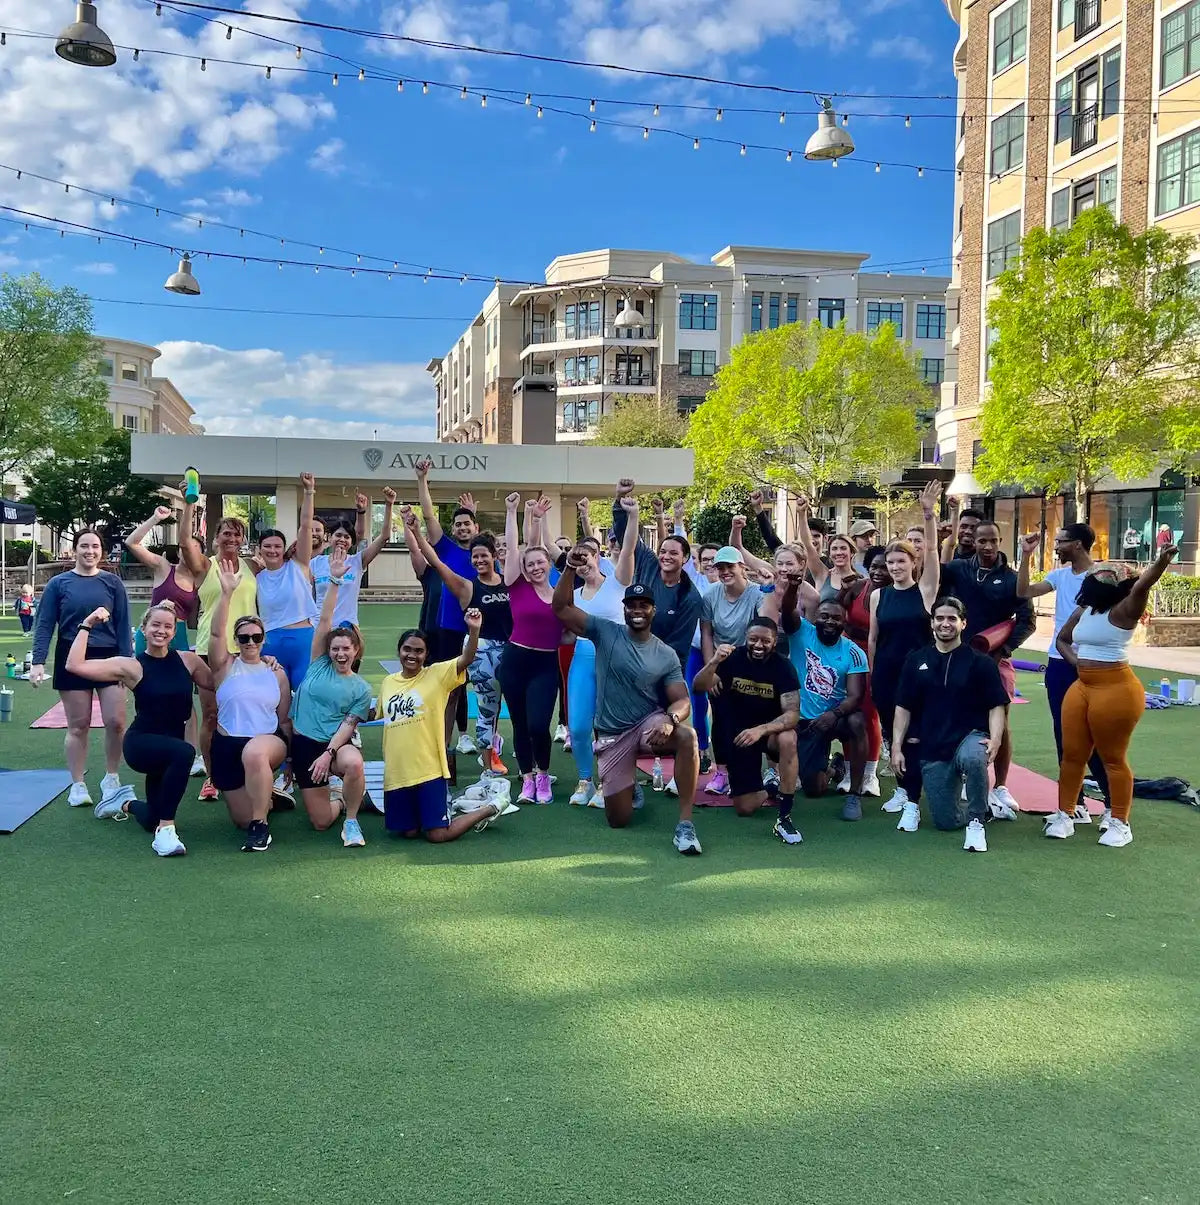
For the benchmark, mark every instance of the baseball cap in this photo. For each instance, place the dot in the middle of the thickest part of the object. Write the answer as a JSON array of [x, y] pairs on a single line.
[[862, 527], [637, 590], [728, 556]]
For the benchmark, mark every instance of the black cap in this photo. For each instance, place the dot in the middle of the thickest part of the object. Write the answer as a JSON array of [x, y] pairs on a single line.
[[637, 590]]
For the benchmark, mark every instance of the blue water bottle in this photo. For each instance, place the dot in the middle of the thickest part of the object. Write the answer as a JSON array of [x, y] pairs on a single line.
[[1164, 688], [191, 485]]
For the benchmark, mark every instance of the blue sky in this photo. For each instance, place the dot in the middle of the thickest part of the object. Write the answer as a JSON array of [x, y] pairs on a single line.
[[440, 180]]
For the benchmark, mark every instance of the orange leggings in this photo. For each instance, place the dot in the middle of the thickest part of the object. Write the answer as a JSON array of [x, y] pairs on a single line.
[[1100, 712]]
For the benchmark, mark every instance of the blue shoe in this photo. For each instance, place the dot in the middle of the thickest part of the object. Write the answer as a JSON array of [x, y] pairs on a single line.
[[639, 797], [686, 840], [352, 833], [852, 808]]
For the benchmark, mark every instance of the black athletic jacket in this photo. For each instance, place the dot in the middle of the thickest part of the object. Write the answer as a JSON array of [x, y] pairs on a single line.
[[990, 601]]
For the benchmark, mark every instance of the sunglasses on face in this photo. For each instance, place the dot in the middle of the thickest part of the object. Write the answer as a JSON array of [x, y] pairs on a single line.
[[249, 638]]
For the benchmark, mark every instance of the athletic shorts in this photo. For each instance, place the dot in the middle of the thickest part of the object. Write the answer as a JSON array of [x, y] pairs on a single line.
[[303, 752], [228, 773], [812, 747], [424, 806], [745, 767], [617, 753], [64, 680], [1008, 677]]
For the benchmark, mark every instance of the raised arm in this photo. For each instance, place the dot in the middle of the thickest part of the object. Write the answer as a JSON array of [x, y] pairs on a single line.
[[537, 535], [190, 552], [946, 546], [337, 566], [512, 540], [455, 583], [415, 555], [816, 566], [756, 564], [473, 617], [679, 514], [769, 535], [703, 681], [931, 568], [585, 519], [568, 614], [362, 509], [626, 564], [1026, 588], [133, 541], [126, 670], [374, 548], [433, 526], [304, 537], [659, 509], [1130, 609], [229, 574]]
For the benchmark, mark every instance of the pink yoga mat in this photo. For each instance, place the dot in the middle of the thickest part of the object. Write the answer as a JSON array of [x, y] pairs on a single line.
[[57, 718], [646, 765]]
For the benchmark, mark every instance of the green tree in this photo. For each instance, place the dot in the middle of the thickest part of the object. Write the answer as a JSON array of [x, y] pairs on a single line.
[[1094, 358], [805, 408], [95, 489], [51, 394], [640, 421]]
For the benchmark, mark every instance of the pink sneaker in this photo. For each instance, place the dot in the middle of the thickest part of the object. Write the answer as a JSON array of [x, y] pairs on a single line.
[[543, 792], [718, 784], [527, 789]]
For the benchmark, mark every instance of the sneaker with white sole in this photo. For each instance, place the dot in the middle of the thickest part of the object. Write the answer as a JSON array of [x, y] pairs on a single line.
[[1081, 815], [583, 792], [208, 791], [999, 804], [871, 780], [258, 837], [110, 784], [352, 834], [718, 784], [844, 784], [671, 788], [112, 807], [528, 790], [639, 798], [465, 744], [897, 802], [976, 840], [770, 781], [1058, 825], [1117, 834], [543, 792], [79, 796], [1105, 820], [910, 817], [685, 839], [597, 800], [166, 842], [561, 734], [335, 790], [786, 831], [493, 813], [198, 770]]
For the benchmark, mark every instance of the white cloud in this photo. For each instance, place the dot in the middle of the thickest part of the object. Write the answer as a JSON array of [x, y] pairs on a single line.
[[262, 391], [487, 24], [903, 46], [327, 157], [99, 269], [160, 117]]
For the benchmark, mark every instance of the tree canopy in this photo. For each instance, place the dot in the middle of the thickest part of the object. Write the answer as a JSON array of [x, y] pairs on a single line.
[[51, 395], [805, 408], [638, 421], [1094, 357]]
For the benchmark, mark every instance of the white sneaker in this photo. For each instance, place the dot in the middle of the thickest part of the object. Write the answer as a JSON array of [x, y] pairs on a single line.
[[198, 770], [110, 784], [871, 781], [844, 785], [560, 734], [1081, 815], [885, 760], [280, 785], [671, 788], [597, 800], [1059, 825], [583, 792], [1002, 805], [465, 744], [335, 790], [78, 796], [897, 803], [1105, 820], [910, 817], [1117, 834], [976, 841], [166, 842]]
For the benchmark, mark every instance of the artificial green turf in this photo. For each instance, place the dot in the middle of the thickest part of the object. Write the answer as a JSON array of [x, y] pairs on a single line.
[[555, 1012]]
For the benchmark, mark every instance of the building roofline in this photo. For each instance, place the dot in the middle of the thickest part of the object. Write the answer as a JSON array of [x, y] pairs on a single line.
[[784, 254]]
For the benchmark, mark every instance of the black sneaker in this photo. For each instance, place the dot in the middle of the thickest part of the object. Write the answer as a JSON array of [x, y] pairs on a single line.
[[787, 832], [852, 808], [258, 838], [705, 762], [837, 768]]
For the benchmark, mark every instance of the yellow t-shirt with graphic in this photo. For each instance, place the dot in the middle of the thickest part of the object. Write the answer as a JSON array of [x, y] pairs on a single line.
[[413, 711], [243, 602]]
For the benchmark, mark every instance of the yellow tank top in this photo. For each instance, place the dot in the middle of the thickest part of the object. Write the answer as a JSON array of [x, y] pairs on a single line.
[[243, 602]]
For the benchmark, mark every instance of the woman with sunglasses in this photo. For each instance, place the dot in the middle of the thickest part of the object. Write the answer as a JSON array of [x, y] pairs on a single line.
[[253, 703]]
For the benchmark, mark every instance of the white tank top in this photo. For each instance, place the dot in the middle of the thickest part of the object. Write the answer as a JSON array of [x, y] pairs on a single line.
[[285, 596], [1097, 638], [248, 700]]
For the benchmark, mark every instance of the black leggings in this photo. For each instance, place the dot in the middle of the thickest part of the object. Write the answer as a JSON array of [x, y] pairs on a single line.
[[166, 762], [910, 780], [529, 680]]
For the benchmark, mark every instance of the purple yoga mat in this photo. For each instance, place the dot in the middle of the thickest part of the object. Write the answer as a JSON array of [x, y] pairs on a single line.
[[1032, 666]]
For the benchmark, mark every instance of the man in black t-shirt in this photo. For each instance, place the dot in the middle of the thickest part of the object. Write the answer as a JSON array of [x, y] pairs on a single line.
[[951, 699], [756, 698]]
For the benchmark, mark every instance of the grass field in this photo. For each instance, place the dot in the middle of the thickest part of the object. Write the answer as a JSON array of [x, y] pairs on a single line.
[[555, 1012]]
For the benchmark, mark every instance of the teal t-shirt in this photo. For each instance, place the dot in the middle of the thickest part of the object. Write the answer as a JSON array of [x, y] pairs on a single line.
[[325, 698], [823, 669]]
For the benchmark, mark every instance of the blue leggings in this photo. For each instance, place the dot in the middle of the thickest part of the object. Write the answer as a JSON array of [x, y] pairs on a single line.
[[695, 664], [581, 705], [292, 648]]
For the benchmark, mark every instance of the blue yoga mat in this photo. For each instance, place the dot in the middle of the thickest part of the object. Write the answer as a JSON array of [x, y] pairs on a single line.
[[23, 793]]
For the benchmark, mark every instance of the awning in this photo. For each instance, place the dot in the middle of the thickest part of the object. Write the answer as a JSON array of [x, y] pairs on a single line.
[[18, 512]]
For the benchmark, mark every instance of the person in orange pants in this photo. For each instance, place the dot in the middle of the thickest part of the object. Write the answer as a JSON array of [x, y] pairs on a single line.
[[1102, 708]]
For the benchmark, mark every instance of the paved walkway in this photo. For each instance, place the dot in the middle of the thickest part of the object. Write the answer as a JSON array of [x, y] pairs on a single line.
[[1175, 662]]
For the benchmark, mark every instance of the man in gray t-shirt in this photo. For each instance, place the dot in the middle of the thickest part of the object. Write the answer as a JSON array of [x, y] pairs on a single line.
[[637, 676]]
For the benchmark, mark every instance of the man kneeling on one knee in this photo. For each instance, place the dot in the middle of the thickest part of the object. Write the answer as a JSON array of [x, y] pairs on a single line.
[[756, 706]]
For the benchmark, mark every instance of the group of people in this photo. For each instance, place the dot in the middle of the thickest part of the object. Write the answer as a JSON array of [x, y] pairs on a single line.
[[834, 663]]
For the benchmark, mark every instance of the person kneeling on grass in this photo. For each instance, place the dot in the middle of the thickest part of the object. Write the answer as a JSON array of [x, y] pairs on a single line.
[[253, 702], [635, 672], [756, 697], [326, 710], [412, 704], [952, 700]]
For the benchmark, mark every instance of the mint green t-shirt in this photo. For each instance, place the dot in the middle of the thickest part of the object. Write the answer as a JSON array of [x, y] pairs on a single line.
[[325, 698]]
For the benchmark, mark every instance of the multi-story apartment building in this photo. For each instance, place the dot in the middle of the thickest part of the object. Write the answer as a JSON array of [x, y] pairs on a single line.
[[137, 399], [1064, 105], [611, 323]]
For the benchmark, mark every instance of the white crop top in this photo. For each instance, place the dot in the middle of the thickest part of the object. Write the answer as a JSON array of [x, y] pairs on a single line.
[[1097, 638], [285, 596], [248, 700]]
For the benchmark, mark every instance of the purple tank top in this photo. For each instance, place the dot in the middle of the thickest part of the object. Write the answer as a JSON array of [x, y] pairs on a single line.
[[534, 623], [187, 602]]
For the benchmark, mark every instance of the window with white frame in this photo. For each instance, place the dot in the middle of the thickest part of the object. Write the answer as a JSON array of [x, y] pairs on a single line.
[[1009, 37], [1179, 54], [1008, 140], [1003, 243], [1178, 173]]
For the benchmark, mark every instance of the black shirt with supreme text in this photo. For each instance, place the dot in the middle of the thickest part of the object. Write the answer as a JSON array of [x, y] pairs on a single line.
[[752, 691]]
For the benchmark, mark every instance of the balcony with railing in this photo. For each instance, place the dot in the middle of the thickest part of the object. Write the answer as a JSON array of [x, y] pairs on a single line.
[[577, 332], [1085, 128], [1087, 17]]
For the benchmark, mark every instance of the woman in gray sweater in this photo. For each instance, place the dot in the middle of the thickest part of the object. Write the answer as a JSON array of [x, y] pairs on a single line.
[[68, 600]]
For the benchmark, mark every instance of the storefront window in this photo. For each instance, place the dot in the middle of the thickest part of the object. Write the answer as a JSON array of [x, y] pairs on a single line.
[[1170, 512], [1005, 516], [1099, 519], [1055, 518], [1131, 519]]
